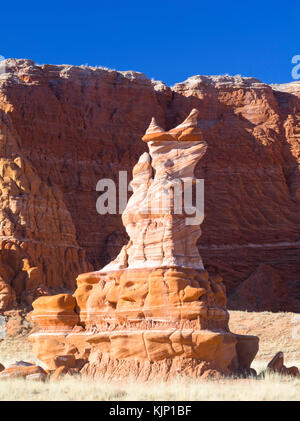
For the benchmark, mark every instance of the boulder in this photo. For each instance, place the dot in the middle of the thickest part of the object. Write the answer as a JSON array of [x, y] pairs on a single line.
[[276, 365], [68, 361], [24, 370]]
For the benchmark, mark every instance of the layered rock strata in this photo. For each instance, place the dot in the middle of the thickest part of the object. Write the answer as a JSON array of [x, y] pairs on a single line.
[[69, 126], [154, 310]]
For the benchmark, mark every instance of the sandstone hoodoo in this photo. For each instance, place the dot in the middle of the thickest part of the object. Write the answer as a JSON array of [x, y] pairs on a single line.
[[154, 310]]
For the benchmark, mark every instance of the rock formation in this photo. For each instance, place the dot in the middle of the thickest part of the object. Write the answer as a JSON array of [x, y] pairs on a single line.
[[154, 310], [22, 369], [276, 366], [62, 128]]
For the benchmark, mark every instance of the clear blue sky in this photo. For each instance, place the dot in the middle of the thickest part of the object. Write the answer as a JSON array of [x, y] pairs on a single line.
[[168, 40]]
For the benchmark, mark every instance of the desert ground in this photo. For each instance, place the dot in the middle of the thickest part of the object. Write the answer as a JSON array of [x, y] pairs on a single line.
[[277, 332]]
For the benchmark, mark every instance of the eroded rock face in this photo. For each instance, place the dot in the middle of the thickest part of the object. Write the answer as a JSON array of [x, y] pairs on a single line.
[[251, 173], [154, 310], [62, 128], [264, 290]]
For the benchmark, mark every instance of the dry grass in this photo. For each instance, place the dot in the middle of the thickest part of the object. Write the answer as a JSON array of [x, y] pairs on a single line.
[[274, 330], [273, 387]]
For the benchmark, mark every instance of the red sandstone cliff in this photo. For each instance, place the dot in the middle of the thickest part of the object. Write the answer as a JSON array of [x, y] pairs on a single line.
[[62, 128]]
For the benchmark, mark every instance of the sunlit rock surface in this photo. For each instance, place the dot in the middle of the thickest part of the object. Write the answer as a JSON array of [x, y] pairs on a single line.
[[154, 311], [62, 128]]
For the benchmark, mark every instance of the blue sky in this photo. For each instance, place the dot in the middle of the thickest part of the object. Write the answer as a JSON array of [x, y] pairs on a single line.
[[167, 40]]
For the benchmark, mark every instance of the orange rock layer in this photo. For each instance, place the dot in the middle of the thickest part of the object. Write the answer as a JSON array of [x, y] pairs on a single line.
[[171, 320]]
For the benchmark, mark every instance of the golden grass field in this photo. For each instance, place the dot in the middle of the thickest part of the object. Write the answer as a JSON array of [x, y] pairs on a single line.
[[277, 332]]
